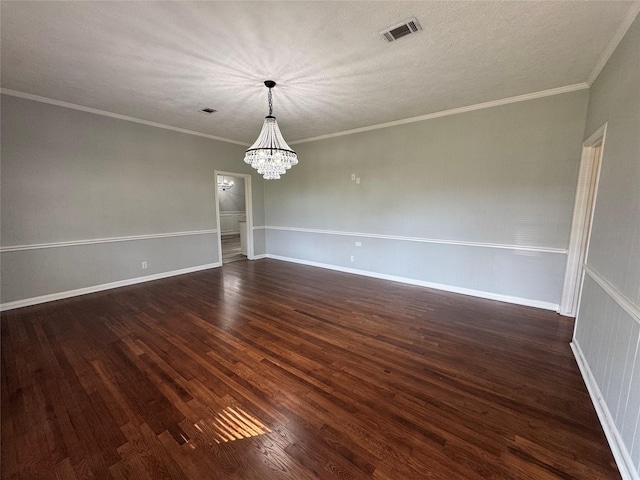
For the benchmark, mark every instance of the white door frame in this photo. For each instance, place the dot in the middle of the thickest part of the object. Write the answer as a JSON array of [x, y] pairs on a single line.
[[248, 206], [588, 178]]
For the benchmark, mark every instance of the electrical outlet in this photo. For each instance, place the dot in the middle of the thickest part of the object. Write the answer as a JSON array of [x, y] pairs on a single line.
[[144, 265], [353, 259], [353, 176], [358, 244], [357, 180]]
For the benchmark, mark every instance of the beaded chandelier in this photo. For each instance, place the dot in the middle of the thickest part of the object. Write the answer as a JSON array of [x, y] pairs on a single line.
[[270, 154]]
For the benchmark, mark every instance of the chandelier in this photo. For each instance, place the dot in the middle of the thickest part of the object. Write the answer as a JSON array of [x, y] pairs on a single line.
[[225, 184], [270, 154]]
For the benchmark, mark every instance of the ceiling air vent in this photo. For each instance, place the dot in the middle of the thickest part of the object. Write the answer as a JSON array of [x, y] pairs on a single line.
[[402, 29]]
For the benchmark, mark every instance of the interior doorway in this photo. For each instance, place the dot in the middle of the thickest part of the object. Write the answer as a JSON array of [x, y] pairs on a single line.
[[234, 216], [587, 190]]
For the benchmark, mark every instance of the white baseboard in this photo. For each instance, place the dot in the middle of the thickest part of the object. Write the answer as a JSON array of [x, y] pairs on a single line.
[[105, 286], [618, 448], [438, 286], [132, 281]]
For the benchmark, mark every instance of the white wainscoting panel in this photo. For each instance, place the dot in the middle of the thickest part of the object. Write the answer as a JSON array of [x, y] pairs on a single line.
[[229, 222], [606, 345]]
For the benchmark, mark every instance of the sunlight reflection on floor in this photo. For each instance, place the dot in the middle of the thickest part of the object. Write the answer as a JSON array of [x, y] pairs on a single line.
[[231, 424]]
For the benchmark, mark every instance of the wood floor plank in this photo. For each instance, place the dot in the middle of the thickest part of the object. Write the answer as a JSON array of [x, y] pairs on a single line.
[[267, 370]]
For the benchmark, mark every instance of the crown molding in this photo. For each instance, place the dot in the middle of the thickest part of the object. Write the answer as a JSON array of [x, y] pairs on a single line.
[[631, 15], [73, 106], [453, 111], [429, 116]]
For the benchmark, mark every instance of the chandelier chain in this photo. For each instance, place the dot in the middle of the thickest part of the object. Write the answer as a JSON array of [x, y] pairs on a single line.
[[270, 103]]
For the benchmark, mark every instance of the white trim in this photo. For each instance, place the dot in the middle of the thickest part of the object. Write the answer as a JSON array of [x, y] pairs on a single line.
[[618, 448], [583, 211], [595, 137], [453, 111], [444, 113], [423, 240], [627, 305], [259, 257], [260, 227], [104, 113], [438, 286], [73, 243], [105, 286], [613, 44], [248, 204]]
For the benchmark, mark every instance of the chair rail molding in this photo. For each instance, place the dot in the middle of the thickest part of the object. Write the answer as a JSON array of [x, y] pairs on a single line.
[[73, 243], [527, 248], [632, 309]]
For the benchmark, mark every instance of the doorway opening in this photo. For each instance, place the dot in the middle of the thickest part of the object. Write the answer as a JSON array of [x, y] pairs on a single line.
[[234, 216], [587, 190]]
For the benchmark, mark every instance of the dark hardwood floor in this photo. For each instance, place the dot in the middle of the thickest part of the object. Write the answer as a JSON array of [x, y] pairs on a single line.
[[266, 370], [231, 250]]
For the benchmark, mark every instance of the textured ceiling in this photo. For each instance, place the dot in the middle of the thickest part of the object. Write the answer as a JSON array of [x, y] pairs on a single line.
[[163, 61]]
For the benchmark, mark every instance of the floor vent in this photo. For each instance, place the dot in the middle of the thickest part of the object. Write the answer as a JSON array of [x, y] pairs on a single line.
[[401, 30]]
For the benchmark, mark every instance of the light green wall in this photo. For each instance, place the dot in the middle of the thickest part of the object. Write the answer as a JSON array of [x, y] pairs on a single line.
[[608, 325], [499, 177], [502, 176], [69, 175], [615, 100]]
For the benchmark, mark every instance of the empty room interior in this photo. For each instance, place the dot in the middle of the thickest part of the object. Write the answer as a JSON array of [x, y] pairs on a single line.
[[320, 240]]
